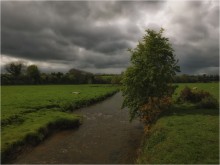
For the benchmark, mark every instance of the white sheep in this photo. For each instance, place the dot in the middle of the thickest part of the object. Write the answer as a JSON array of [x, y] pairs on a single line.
[[194, 88], [76, 93]]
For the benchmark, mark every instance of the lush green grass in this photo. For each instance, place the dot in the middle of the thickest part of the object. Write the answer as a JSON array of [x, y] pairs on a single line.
[[22, 99], [184, 135], [29, 113]]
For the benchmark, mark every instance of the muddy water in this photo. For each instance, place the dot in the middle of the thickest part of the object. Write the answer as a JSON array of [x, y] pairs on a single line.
[[106, 136]]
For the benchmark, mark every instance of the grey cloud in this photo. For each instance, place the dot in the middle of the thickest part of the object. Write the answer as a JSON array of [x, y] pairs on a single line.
[[57, 30], [196, 36], [97, 34], [34, 45], [192, 59]]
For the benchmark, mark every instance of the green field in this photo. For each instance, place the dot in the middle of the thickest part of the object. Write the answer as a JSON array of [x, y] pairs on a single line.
[[29, 113], [184, 134]]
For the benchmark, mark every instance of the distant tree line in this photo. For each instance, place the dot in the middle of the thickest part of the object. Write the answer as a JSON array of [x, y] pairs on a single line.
[[195, 78], [18, 73]]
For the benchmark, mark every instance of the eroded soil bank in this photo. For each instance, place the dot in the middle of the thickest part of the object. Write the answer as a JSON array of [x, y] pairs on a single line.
[[106, 136]]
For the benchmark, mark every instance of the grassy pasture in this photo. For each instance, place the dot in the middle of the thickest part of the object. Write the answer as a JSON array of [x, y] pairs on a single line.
[[21, 99], [29, 113], [184, 134]]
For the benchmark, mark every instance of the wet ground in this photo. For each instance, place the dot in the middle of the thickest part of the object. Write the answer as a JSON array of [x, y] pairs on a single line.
[[106, 136]]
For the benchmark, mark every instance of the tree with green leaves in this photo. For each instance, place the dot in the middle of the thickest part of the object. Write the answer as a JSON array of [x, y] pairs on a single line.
[[15, 72], [15, 68], [149, 78], [34, 74]]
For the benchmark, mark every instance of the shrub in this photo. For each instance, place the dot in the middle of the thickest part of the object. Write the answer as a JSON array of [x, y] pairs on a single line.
[[150, 111], [198, 96], [208, 102], [187, 95], [202, 98]]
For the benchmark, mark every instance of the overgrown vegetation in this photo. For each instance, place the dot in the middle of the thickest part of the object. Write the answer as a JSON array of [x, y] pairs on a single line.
[[208, 103], [30, 113], [212, 88], [185, 134], [202, 99], [151, 110]]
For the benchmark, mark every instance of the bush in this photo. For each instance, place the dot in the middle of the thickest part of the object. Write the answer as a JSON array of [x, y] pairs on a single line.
[[198, 96], [208, 102], [150, 111], [202, 98], [187, 95]]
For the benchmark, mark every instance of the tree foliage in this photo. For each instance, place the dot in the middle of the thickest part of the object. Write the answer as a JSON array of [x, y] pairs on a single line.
[[17, 73], [14, 68], [33, 73], [148, 79]]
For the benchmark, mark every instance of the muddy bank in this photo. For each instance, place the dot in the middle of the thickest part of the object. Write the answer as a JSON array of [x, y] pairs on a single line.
[[106, 136]]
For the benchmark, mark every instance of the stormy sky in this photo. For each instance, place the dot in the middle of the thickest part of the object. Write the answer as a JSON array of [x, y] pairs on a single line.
[[94, 36]]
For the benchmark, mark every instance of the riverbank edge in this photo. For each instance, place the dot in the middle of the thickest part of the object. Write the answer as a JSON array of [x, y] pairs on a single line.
[[31, 140], [159, 133]]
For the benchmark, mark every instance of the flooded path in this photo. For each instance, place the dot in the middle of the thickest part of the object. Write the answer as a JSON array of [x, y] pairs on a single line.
[[106, 136]]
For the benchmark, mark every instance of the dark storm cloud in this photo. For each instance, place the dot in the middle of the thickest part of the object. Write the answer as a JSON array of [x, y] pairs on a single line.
[[97, 34], [192, 59], [196, 36], [59, 30], [55, 30]]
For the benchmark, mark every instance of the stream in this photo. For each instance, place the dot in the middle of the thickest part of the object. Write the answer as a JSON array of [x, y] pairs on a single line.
[[105, 137]]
